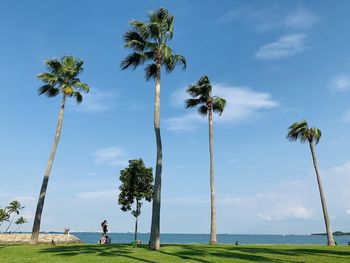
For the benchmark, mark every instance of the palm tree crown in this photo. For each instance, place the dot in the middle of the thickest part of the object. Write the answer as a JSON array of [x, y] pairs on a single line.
[[300, 130], [149, 43], [63, 78], [201, 96], [14, 207]]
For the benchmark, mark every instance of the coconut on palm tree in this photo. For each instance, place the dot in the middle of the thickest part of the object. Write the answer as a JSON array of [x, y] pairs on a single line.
[[301, 131], [61, 79], [202, 98], [13, 208], [149, 43]]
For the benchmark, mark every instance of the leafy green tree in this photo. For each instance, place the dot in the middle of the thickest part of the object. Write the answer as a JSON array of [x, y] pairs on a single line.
[[301, 131], [4, 216], [61, 78], [13, 209], [149, 43], [201, 97], [136, 184]]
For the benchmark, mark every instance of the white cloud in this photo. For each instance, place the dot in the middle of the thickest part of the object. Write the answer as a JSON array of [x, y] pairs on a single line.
[[343, 168], [95, 101], [269, 18], [99, 194], [241, 104], [341, 83], [300, 19], [111, 155], [287, 212], [348, 211], [284, 47]]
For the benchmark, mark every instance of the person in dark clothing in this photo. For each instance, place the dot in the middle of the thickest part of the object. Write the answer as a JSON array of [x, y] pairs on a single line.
[[104, 227]]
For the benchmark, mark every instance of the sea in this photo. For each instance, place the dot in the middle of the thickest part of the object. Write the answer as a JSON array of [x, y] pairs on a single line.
[[93, 238]]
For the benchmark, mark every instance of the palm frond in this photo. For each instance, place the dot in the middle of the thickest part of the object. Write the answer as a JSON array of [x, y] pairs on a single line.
[[191, 103], [193, 90], [219, 105], [48, 90], [203, 110], [78, 97], [133, 60], [54, 66], [172, 60], [316, 134], [298, 130], [141, 28], [170, 24], [134, 41], [151, 71], [48, 78], [155, 30], [81, 86]]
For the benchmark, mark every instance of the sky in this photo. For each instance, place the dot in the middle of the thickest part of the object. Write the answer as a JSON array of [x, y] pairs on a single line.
[[275, 62]]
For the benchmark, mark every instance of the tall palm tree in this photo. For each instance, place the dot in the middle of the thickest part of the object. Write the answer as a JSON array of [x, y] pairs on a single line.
[[13, 208], [149, 42], [301, 131], [201, 94], [61, 78]]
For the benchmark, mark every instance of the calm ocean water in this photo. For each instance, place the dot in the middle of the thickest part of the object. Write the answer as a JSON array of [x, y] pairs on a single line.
[[92, 238]]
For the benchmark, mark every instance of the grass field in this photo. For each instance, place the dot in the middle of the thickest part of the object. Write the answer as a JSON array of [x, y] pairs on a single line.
[[175, 253]]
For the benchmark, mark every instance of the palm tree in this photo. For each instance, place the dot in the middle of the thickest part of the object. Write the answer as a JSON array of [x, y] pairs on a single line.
[[61, 78], [149, 42], [13, 208], [301, 131], [20, 221], [4, 215], [201, 94]]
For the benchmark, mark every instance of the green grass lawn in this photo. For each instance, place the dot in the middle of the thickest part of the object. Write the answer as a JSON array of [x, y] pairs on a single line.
[[175, 253]]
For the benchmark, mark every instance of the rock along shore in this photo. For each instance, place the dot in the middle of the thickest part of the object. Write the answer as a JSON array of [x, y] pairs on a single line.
[[43, 238]]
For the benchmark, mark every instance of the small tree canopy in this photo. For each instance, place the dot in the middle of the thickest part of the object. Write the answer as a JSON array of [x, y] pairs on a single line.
[[136, 184]]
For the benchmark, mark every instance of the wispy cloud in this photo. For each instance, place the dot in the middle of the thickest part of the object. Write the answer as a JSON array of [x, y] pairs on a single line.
[[300, 19], [270, 18], [113, 156], [96, 101], [283, 47], [241, 104], [109, 194], [341, 83]]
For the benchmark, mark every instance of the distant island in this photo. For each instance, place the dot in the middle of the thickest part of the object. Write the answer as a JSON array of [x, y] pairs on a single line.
[[336, 233]]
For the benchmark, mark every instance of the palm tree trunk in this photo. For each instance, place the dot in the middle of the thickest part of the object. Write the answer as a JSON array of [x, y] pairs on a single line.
[[330, 240], [40, 205], [213, 239], [13, 217], [155, 225], [136, 219]]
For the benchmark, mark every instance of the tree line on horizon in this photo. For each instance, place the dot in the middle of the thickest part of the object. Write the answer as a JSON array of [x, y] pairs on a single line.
[[148, 42]]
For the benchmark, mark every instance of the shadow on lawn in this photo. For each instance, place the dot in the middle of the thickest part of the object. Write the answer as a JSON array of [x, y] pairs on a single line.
[[324, 252], [95, 250], [197, 253], [200, 253]]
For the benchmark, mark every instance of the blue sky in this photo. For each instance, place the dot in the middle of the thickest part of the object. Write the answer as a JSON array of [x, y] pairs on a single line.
[[274, 61]]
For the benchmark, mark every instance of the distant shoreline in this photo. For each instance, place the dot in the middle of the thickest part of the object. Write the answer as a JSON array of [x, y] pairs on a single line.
[[336, 233]]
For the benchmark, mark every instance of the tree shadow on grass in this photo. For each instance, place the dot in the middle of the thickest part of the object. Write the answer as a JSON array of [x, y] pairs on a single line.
[[95, 250], [297, 251], [197, 253]]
